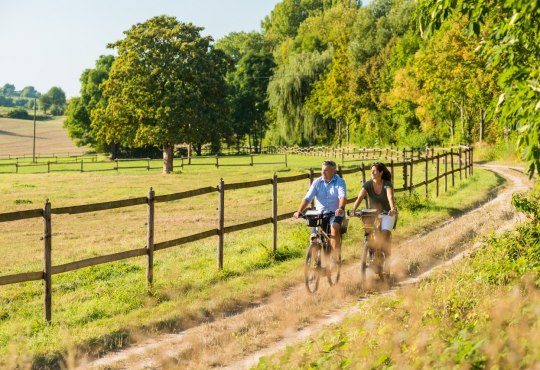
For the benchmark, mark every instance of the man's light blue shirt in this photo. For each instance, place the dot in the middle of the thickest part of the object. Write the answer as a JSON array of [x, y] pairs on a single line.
[[327, 195]]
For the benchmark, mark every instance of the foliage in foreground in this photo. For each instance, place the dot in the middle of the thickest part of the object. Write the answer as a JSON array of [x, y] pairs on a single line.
[[483, 313]]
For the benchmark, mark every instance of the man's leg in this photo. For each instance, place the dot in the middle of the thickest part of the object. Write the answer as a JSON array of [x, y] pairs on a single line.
[[335, 235]]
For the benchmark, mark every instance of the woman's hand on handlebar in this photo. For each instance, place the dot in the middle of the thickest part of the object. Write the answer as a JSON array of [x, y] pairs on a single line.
[[392, 212]]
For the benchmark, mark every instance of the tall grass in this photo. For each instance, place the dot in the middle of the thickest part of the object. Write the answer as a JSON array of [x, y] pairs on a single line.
[[100, 308], [480, 313]]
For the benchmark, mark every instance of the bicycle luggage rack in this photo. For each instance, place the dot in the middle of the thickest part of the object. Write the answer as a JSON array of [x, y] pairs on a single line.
[[313, 218]]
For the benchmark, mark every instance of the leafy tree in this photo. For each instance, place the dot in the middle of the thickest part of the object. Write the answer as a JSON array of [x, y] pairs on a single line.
[[288, 90], [248, 83], [29, 92], [79, 109], [166, 82], [45, 102], [237, 44], [7, 90], [512, 46], [248, 96], [55, 96]]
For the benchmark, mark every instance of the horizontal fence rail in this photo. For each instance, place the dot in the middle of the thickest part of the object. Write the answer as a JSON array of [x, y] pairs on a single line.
[[445, 164], [48, 164]]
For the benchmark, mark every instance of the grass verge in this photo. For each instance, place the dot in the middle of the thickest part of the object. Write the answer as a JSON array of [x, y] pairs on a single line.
[[480, 313]]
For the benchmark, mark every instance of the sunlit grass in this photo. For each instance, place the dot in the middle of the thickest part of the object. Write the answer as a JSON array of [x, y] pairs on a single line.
[[99, 308]]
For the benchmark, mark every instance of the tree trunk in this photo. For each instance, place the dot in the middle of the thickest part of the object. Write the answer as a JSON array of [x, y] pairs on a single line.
[[114, 151], [168, 151]]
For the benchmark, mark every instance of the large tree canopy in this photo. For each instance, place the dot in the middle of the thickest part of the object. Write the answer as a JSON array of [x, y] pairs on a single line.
[[511, 45], [166, 82]]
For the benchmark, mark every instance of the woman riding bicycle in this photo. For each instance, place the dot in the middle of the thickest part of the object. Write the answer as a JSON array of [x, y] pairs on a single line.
[[380, 192]]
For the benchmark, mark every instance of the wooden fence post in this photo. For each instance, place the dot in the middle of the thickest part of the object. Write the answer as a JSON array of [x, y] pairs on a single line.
[[411, 175], [47, 249], [274, 213], [150, 238], [452, 165], [217, 161], [426, 173], [445, 171], [437, 181], [405, 182], [471, 161], [251, 158], [286, 160], [459, 163], [466, 160], [221, 221], [392, 168], [363, 167], [311, 182]]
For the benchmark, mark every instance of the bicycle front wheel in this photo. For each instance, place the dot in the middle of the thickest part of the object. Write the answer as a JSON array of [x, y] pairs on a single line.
[[364, 263], [311, 267]]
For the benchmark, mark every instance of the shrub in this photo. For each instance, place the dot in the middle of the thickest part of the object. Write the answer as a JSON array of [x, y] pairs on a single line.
[[20, 113]]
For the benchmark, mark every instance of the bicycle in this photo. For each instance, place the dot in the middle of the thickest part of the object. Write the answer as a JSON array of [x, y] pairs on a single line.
[[373, 255], [317, 263]]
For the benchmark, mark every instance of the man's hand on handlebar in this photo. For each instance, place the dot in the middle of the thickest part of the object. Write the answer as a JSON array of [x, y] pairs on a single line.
[[297, 214]]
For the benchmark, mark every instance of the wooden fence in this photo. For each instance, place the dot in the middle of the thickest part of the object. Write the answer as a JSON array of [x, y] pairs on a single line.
[[91, 164], [463, 167]]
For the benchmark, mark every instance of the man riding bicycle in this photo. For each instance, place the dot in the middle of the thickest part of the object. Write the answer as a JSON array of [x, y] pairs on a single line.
[[330, 194]]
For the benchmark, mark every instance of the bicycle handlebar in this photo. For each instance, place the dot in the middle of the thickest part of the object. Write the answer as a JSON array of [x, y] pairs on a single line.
[[365, 213], [322, 214]]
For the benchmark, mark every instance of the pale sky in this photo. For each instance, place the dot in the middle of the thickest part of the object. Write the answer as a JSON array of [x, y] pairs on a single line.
[[46, 43]]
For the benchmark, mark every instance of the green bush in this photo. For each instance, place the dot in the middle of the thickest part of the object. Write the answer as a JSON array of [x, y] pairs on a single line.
[[19, 113]]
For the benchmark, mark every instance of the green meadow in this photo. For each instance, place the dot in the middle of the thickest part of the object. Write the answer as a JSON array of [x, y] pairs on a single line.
[[102, 307]]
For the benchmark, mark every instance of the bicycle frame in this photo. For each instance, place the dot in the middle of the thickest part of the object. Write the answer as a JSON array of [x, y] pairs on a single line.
[[372, 252], [313, 266]]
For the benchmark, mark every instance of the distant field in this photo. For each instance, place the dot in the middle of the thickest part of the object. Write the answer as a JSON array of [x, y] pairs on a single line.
[[16, 138]]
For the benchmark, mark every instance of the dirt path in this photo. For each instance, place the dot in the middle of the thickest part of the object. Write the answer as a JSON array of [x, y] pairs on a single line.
[[239, 341]]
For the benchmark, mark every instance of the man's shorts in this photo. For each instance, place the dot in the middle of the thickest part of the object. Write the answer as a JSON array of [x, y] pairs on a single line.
[[327, 221]]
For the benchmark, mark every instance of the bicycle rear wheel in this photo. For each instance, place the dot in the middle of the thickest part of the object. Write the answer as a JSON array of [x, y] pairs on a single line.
[[312, 267], [334, 266]]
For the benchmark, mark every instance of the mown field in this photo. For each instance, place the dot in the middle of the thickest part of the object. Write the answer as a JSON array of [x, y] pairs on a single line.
[[103, 307], [16, 138]]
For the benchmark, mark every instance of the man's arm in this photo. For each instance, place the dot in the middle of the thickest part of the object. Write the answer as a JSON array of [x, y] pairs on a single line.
[[342, 193], [303, 205]]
